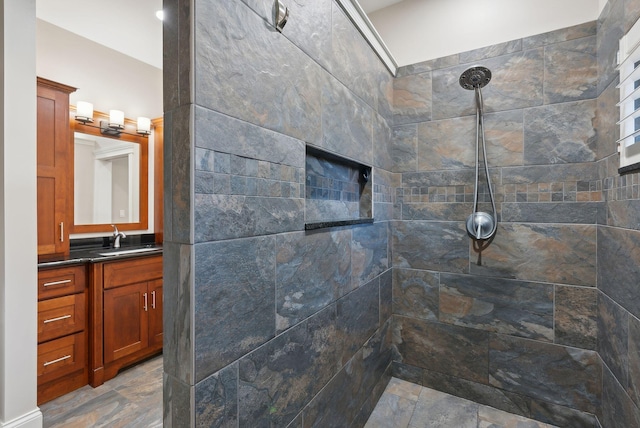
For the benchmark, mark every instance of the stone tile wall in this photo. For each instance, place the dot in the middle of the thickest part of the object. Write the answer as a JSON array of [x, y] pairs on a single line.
[[618, 240], [513, 325], [269, 325]]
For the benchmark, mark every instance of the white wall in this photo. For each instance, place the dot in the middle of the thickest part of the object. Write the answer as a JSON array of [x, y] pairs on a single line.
[[419, 30], [18, 251], [103, 76]]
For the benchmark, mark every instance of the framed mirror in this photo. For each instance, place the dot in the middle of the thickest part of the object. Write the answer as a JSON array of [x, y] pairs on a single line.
[[110, 177]]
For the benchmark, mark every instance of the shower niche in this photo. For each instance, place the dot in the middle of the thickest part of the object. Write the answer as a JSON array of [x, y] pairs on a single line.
[[338, 191]]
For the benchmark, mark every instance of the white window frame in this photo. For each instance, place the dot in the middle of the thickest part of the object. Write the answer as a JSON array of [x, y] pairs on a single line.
[[628, 56]]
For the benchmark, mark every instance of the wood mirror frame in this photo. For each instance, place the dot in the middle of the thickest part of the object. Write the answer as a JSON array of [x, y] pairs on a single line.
[[129, 134]]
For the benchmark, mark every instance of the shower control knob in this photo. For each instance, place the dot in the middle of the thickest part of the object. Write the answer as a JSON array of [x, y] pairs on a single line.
[[481, 225]]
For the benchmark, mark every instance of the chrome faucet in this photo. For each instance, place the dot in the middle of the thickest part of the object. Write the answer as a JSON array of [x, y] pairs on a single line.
[[116, 236]]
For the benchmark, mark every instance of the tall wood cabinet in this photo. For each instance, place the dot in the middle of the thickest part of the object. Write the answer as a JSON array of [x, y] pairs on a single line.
[[53, 151]]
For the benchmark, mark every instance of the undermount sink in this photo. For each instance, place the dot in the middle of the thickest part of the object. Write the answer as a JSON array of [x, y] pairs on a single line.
[[132, 251]]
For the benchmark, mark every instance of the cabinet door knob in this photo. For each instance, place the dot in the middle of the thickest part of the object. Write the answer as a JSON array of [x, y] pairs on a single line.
[[61, 231], [153, 299], [145, 302]]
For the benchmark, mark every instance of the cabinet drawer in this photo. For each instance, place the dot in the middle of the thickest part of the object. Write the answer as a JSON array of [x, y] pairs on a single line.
[[60, 357], [60, 282], [61, 316], [132, 271]]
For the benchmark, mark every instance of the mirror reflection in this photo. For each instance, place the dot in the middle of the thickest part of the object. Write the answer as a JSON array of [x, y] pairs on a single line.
[[106, 180]]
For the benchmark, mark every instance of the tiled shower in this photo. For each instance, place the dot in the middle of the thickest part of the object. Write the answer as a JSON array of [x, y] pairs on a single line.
[[271, 325]]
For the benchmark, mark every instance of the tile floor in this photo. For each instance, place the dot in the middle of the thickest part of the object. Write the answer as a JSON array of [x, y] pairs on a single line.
[[131, 399], [134, 399], [407, 405]]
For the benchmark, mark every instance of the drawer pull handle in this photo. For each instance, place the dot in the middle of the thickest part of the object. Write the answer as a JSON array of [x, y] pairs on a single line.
[[145, 302], [64, 281], [153, 300], [57, 319], [48, 363]]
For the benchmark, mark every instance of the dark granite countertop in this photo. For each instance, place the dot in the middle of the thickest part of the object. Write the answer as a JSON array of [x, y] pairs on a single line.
[[99, 254]]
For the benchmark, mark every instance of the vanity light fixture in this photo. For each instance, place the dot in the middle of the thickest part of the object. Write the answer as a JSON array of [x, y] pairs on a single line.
[[115, 125], [84, 112], [144, 126]]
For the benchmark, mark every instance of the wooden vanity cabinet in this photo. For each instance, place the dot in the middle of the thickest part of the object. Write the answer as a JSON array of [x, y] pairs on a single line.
[[129, 314], [54, 151], [62, 331]]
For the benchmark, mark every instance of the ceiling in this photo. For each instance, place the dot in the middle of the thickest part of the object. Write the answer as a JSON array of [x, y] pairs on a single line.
[[372, 5], [127, 26]]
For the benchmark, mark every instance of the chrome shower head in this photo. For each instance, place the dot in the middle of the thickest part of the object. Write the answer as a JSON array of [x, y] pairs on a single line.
[[475, 77]]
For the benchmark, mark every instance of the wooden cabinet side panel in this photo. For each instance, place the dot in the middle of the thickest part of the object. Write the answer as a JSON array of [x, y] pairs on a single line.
[[96, 327], [155, 314]]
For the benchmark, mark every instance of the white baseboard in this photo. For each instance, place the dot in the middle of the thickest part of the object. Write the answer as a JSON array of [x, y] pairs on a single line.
[[30, 420]]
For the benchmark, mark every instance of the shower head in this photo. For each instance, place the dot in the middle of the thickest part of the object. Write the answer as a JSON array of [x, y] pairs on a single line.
[[475, 77]]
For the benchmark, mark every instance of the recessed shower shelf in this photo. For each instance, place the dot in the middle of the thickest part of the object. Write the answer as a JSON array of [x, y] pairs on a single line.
[[338, 191], [336, 223]]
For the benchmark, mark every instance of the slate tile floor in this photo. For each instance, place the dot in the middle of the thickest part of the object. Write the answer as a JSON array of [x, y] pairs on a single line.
[[134, 399], [407, 405], [131, 399]]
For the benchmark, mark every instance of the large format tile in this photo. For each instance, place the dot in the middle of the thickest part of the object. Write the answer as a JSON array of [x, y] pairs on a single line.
[[439, 410], [437, 347], [571, 71], [392, 411], [338, 404], [613, 337], [634, 360], [437, 246], [277, 379], [545, 253], [618, 410], [234, 300], [405, 148], [576, 316], [358, 317], [242, 66], [312, 271], [556, 374], [412, 99], [618, 261], [216, 399], [415, 293], [518, 308], [560, 133], [517, 82], [346, 123], [369, 252]]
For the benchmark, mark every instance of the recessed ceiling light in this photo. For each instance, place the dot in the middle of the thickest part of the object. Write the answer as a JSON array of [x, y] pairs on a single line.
[[160, 15]]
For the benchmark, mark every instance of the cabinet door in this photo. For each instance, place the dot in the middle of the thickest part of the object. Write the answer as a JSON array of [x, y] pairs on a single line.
[[155, 314], [53, 168], [126, 326]]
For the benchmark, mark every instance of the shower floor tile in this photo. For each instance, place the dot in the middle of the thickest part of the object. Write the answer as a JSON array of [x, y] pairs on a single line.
[[407, 405]]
